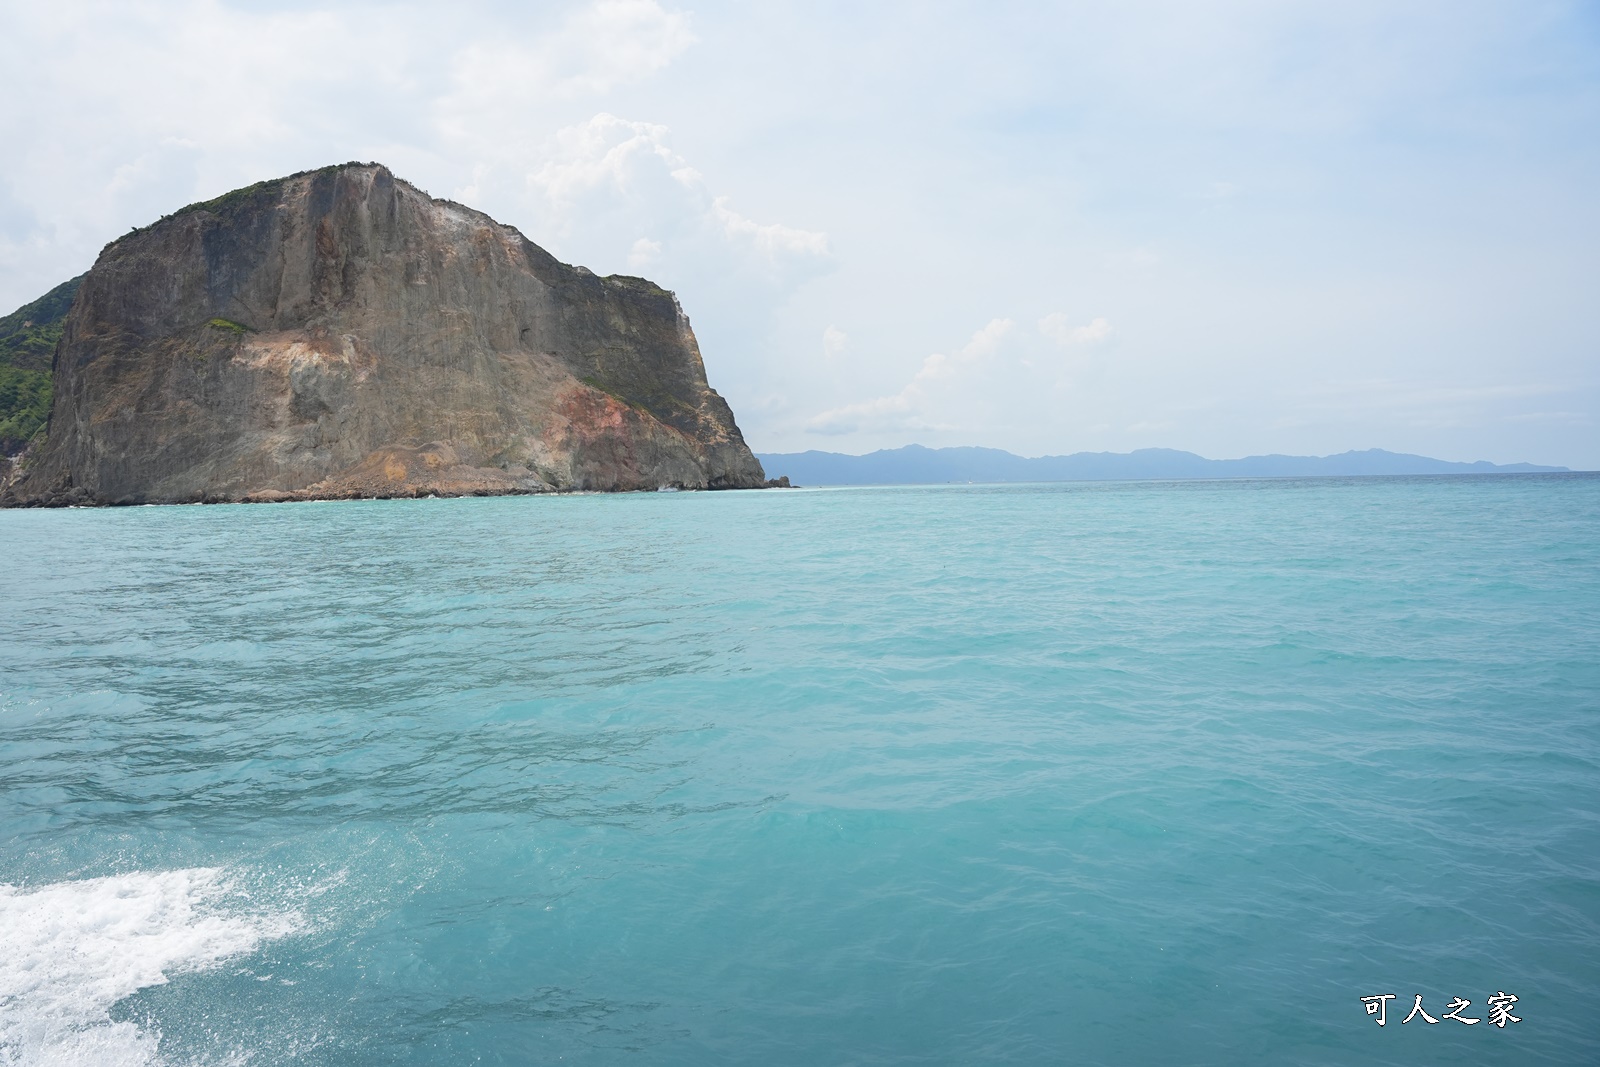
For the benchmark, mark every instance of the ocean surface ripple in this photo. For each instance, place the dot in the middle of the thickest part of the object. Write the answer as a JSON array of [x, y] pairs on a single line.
[[1089, 773]]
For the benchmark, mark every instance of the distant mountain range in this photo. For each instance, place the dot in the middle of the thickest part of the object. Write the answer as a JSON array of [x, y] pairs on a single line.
[[915, 464]]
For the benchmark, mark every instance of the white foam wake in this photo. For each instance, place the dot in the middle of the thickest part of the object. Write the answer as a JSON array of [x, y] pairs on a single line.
[[73, 949]]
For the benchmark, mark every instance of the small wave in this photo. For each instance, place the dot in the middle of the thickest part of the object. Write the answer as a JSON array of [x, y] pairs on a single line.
[[74, 949]]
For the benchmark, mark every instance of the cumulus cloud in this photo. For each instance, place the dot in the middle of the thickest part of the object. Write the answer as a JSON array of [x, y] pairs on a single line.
[[612, 172], [1058, 328], [771, 240], [643, 253], [607, 153], [906, 410]]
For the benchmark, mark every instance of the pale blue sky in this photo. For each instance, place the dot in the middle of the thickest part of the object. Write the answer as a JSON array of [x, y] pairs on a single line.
[[1232, 228]]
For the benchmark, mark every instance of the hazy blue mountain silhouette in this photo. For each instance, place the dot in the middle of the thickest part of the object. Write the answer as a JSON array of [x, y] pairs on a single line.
[[915, 464]]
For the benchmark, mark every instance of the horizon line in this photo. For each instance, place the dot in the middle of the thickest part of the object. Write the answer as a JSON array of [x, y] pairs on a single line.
[[1164, 448]]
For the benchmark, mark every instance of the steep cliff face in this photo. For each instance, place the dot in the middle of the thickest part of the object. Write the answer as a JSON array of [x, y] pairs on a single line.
[[339, 333]]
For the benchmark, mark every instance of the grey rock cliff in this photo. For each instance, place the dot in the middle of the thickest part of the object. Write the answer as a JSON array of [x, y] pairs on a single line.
[[340, 333]]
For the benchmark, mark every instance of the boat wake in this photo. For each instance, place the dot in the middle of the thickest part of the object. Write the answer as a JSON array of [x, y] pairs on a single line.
[[74, 949]]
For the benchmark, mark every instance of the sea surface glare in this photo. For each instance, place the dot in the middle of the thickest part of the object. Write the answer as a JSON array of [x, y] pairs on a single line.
[[1081, 774]]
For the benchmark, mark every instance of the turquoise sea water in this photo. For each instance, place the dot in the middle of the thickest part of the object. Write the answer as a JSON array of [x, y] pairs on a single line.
[[1100, 774]]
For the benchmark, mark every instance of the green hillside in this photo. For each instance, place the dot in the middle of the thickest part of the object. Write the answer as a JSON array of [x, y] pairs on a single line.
[[28, 339]]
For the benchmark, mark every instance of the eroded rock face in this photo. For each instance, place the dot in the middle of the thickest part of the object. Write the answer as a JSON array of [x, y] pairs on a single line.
[[339, 333]]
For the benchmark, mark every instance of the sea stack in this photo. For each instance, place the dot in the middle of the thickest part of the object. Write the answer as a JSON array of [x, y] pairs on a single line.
[[339, 333]]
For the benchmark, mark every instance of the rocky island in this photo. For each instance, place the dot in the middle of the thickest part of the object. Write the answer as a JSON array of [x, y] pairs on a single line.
[[339, 333]]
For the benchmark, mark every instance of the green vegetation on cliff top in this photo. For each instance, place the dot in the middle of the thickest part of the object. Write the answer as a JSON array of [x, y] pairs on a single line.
[[28, 339]]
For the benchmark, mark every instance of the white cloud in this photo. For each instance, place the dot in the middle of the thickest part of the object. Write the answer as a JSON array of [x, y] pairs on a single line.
[[772, 240], [615, 41], [1058, 327], [883, 413], [609, 153], [835, 342], [644, 253], [905, 410], [611, 172], [596, 48]]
